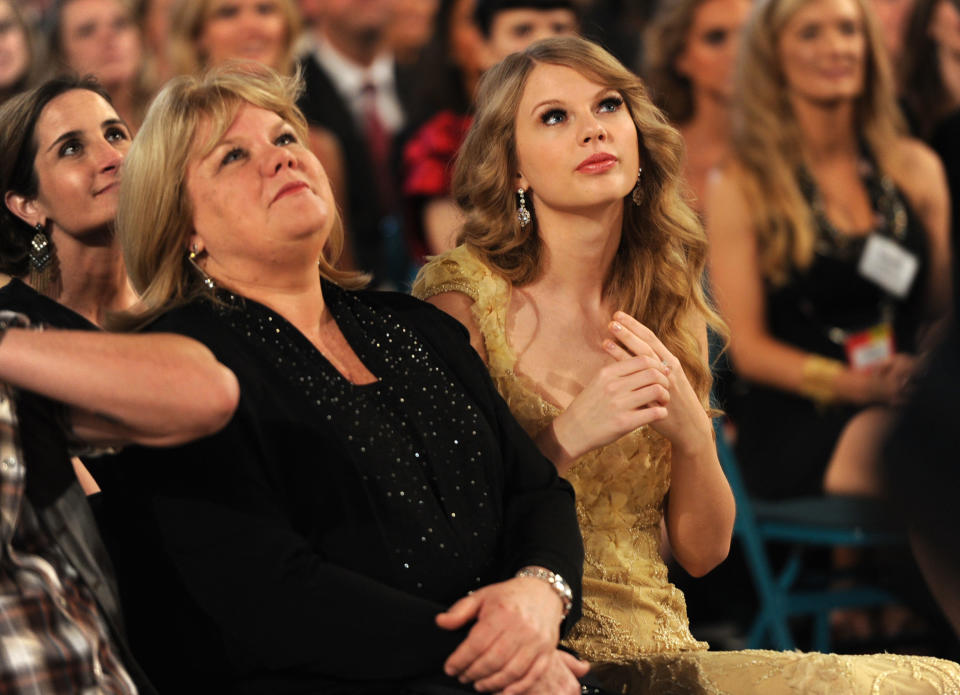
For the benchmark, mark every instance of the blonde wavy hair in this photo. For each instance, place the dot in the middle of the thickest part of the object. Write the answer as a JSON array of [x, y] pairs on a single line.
[[767, 143], [656, 274], [187, 19], [664, 41], [154, 212]]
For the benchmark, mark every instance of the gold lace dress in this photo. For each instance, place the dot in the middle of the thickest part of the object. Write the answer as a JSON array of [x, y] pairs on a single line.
[[634, 627]]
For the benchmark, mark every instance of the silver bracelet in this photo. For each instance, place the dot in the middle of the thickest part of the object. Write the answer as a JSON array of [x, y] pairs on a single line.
[[556, 582]]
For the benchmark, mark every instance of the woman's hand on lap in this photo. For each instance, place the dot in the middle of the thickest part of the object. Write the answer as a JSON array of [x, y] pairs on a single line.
[[556, 673], [517, 622]]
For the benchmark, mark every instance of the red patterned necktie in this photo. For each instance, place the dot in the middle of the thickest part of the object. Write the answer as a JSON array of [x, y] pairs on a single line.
[[378, 142]]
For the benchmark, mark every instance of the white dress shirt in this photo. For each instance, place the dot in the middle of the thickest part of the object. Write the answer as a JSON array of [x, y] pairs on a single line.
[[349, 80]]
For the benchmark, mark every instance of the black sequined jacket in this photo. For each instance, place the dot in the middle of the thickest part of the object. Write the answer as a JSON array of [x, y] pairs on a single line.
[[309, 545]]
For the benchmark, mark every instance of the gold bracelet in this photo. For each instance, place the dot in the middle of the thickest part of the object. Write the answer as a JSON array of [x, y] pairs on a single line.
[[819, 380]]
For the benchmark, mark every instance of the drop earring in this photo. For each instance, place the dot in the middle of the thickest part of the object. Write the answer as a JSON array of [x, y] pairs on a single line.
[[41, 258], [637, 193], [523, 215], [192, 259]]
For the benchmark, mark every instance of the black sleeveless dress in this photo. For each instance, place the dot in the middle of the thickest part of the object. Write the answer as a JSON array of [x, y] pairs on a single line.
[[784, 440]]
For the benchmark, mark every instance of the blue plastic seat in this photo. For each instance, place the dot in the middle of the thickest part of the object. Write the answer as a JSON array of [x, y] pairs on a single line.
[[801, 523]]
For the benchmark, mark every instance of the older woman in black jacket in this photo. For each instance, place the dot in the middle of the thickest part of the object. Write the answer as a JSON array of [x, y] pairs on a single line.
[[371, 476]]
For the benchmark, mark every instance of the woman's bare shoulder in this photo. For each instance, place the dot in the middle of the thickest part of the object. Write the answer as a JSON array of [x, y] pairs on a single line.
[[914, 162]]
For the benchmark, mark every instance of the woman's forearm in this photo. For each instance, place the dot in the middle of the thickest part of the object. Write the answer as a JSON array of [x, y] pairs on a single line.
[[700, 510], [768, 361], [152, 389]]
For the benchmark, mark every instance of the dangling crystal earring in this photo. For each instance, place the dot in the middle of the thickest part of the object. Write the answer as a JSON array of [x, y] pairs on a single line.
[[523, 215], [41, 257], [637, 193], [207, 280], [41, 251]]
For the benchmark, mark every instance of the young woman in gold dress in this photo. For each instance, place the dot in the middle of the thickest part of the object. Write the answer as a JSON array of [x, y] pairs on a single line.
[[579, 281]]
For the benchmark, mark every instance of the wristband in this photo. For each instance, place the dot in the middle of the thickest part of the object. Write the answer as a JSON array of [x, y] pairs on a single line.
[[819, 379]]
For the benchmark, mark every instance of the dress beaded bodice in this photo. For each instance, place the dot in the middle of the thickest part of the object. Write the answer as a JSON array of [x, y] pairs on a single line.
[[629, 605]]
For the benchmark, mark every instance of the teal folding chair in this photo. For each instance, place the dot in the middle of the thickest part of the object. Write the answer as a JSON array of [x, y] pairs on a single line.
[[802, 523]]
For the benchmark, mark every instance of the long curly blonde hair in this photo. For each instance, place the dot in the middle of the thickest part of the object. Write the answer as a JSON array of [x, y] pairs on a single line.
[[656, 275], [767, 143]]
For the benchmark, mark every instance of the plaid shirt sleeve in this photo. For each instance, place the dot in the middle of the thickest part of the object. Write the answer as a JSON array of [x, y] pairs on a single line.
[[53, 638]]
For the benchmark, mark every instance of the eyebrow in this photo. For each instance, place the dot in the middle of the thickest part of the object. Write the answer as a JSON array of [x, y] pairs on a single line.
[[76, 133], [600, 93]]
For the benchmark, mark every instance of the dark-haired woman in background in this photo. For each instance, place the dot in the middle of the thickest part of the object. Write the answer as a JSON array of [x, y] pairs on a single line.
[[691, 46], [929, 70], [470, 38], [61, 145], [930, 92]]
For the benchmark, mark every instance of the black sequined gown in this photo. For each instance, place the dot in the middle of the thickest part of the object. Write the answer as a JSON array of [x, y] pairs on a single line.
[[308, 546]]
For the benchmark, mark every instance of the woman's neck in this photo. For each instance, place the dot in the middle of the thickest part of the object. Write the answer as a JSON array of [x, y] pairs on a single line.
[[578, 252], [827, 130], [710, 122], [294, 293], [92, 279]]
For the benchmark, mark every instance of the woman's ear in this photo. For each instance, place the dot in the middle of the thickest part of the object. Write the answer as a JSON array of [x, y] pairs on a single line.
[[27, 209], [521, 181]]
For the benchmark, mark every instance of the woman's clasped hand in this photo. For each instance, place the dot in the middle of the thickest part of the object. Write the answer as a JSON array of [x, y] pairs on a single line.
[[685, 423], [512, 644], [645, 386]]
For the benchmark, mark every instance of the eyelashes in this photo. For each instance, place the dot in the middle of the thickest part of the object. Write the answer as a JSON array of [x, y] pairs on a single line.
[[556, 116], [553, 117], [611, 103], [237, 153], [77, 145]]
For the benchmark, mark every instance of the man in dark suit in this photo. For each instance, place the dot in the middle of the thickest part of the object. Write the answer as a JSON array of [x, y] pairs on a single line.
[[353, 88]]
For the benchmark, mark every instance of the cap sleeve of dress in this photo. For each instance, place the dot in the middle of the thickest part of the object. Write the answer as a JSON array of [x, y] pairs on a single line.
[[459, 270]]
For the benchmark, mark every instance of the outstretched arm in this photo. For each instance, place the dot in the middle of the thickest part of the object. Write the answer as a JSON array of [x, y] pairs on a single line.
[[152, 389]]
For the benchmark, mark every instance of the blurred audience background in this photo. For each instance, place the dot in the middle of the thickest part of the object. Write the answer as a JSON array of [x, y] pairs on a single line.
[[790, 177], [16, 51]]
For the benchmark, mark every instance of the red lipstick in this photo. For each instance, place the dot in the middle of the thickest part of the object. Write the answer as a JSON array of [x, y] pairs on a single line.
[[597, 163]]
